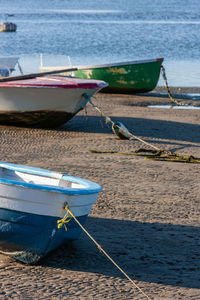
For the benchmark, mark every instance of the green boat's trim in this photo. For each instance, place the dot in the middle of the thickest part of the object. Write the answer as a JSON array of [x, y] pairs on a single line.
[[125, 63], [127, 77]]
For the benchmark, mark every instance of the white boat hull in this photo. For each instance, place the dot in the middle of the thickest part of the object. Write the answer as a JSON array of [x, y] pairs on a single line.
[[44, 105], [43, 99]]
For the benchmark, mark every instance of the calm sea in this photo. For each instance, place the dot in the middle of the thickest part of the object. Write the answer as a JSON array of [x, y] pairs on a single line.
[[104, 31]]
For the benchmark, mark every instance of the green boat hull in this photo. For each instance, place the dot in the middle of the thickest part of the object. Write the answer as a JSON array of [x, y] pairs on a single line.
[[129, 77]]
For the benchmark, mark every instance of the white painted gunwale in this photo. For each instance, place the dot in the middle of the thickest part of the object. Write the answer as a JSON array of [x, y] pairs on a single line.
[[44, 203], [47, 198], [120, 64]]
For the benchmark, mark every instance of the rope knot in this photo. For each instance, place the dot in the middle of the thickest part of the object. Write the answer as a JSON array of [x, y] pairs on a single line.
[[66, 219]]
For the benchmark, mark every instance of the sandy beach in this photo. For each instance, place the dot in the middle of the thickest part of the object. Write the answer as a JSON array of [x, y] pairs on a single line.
[[147, 217]]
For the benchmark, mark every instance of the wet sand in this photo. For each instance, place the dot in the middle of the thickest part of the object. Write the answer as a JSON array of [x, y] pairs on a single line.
[[147, 217]]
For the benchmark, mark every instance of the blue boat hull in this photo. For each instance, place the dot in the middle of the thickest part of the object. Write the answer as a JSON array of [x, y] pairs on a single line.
[[29, 237], [5, 72], [32, 200]]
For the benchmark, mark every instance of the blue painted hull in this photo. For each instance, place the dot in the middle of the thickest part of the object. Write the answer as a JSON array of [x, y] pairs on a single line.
[[32, 200], [29, 237], [5, 72]]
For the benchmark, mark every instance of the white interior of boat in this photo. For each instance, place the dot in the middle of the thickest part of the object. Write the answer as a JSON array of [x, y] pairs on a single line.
[[37, 179], [42, 67]]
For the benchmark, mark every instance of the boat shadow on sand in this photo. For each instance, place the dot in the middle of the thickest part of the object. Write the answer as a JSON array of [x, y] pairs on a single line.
[[148, 128], [152, 252]]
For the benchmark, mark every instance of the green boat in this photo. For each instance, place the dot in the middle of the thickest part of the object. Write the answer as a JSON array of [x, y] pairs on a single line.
[[125, 77]]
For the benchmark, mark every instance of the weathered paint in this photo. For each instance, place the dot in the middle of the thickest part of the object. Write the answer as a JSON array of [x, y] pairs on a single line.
[[132, 77], [88, 73], [122, 82], [118, 70]]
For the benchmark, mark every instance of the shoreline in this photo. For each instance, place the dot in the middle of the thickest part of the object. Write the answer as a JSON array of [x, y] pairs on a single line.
[[147, 216], [179, 89], [187, 93]]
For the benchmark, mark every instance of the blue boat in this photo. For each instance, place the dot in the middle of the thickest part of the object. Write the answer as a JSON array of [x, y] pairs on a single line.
[[32, 201], [7, 65], [7, 26]]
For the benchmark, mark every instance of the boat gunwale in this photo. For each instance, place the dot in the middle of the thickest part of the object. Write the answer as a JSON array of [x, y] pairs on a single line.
[[58, 83], [126, 63], [90, 187]]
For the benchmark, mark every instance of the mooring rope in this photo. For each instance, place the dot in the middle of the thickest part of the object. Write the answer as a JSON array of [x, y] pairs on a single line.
[[123, 130], [157, 154], [160, 155], [67, 218], [168, 90]]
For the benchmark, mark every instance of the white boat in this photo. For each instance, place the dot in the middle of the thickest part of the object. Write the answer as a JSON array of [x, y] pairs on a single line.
[[8, 64], [47, 101], [32, 201]]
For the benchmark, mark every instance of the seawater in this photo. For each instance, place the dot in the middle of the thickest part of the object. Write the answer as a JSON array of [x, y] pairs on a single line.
[[175, 107], [95, 32]]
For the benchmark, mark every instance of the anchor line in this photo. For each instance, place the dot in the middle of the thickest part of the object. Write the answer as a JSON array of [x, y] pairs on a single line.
[[114, 125], [67, 218], [157, 154], [168, 90]]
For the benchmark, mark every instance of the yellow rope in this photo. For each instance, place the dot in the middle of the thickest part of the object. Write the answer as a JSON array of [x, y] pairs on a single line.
[[157, 154], [108, 119], [63, 221], [67, 217], [137, 138], [168, 90]]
